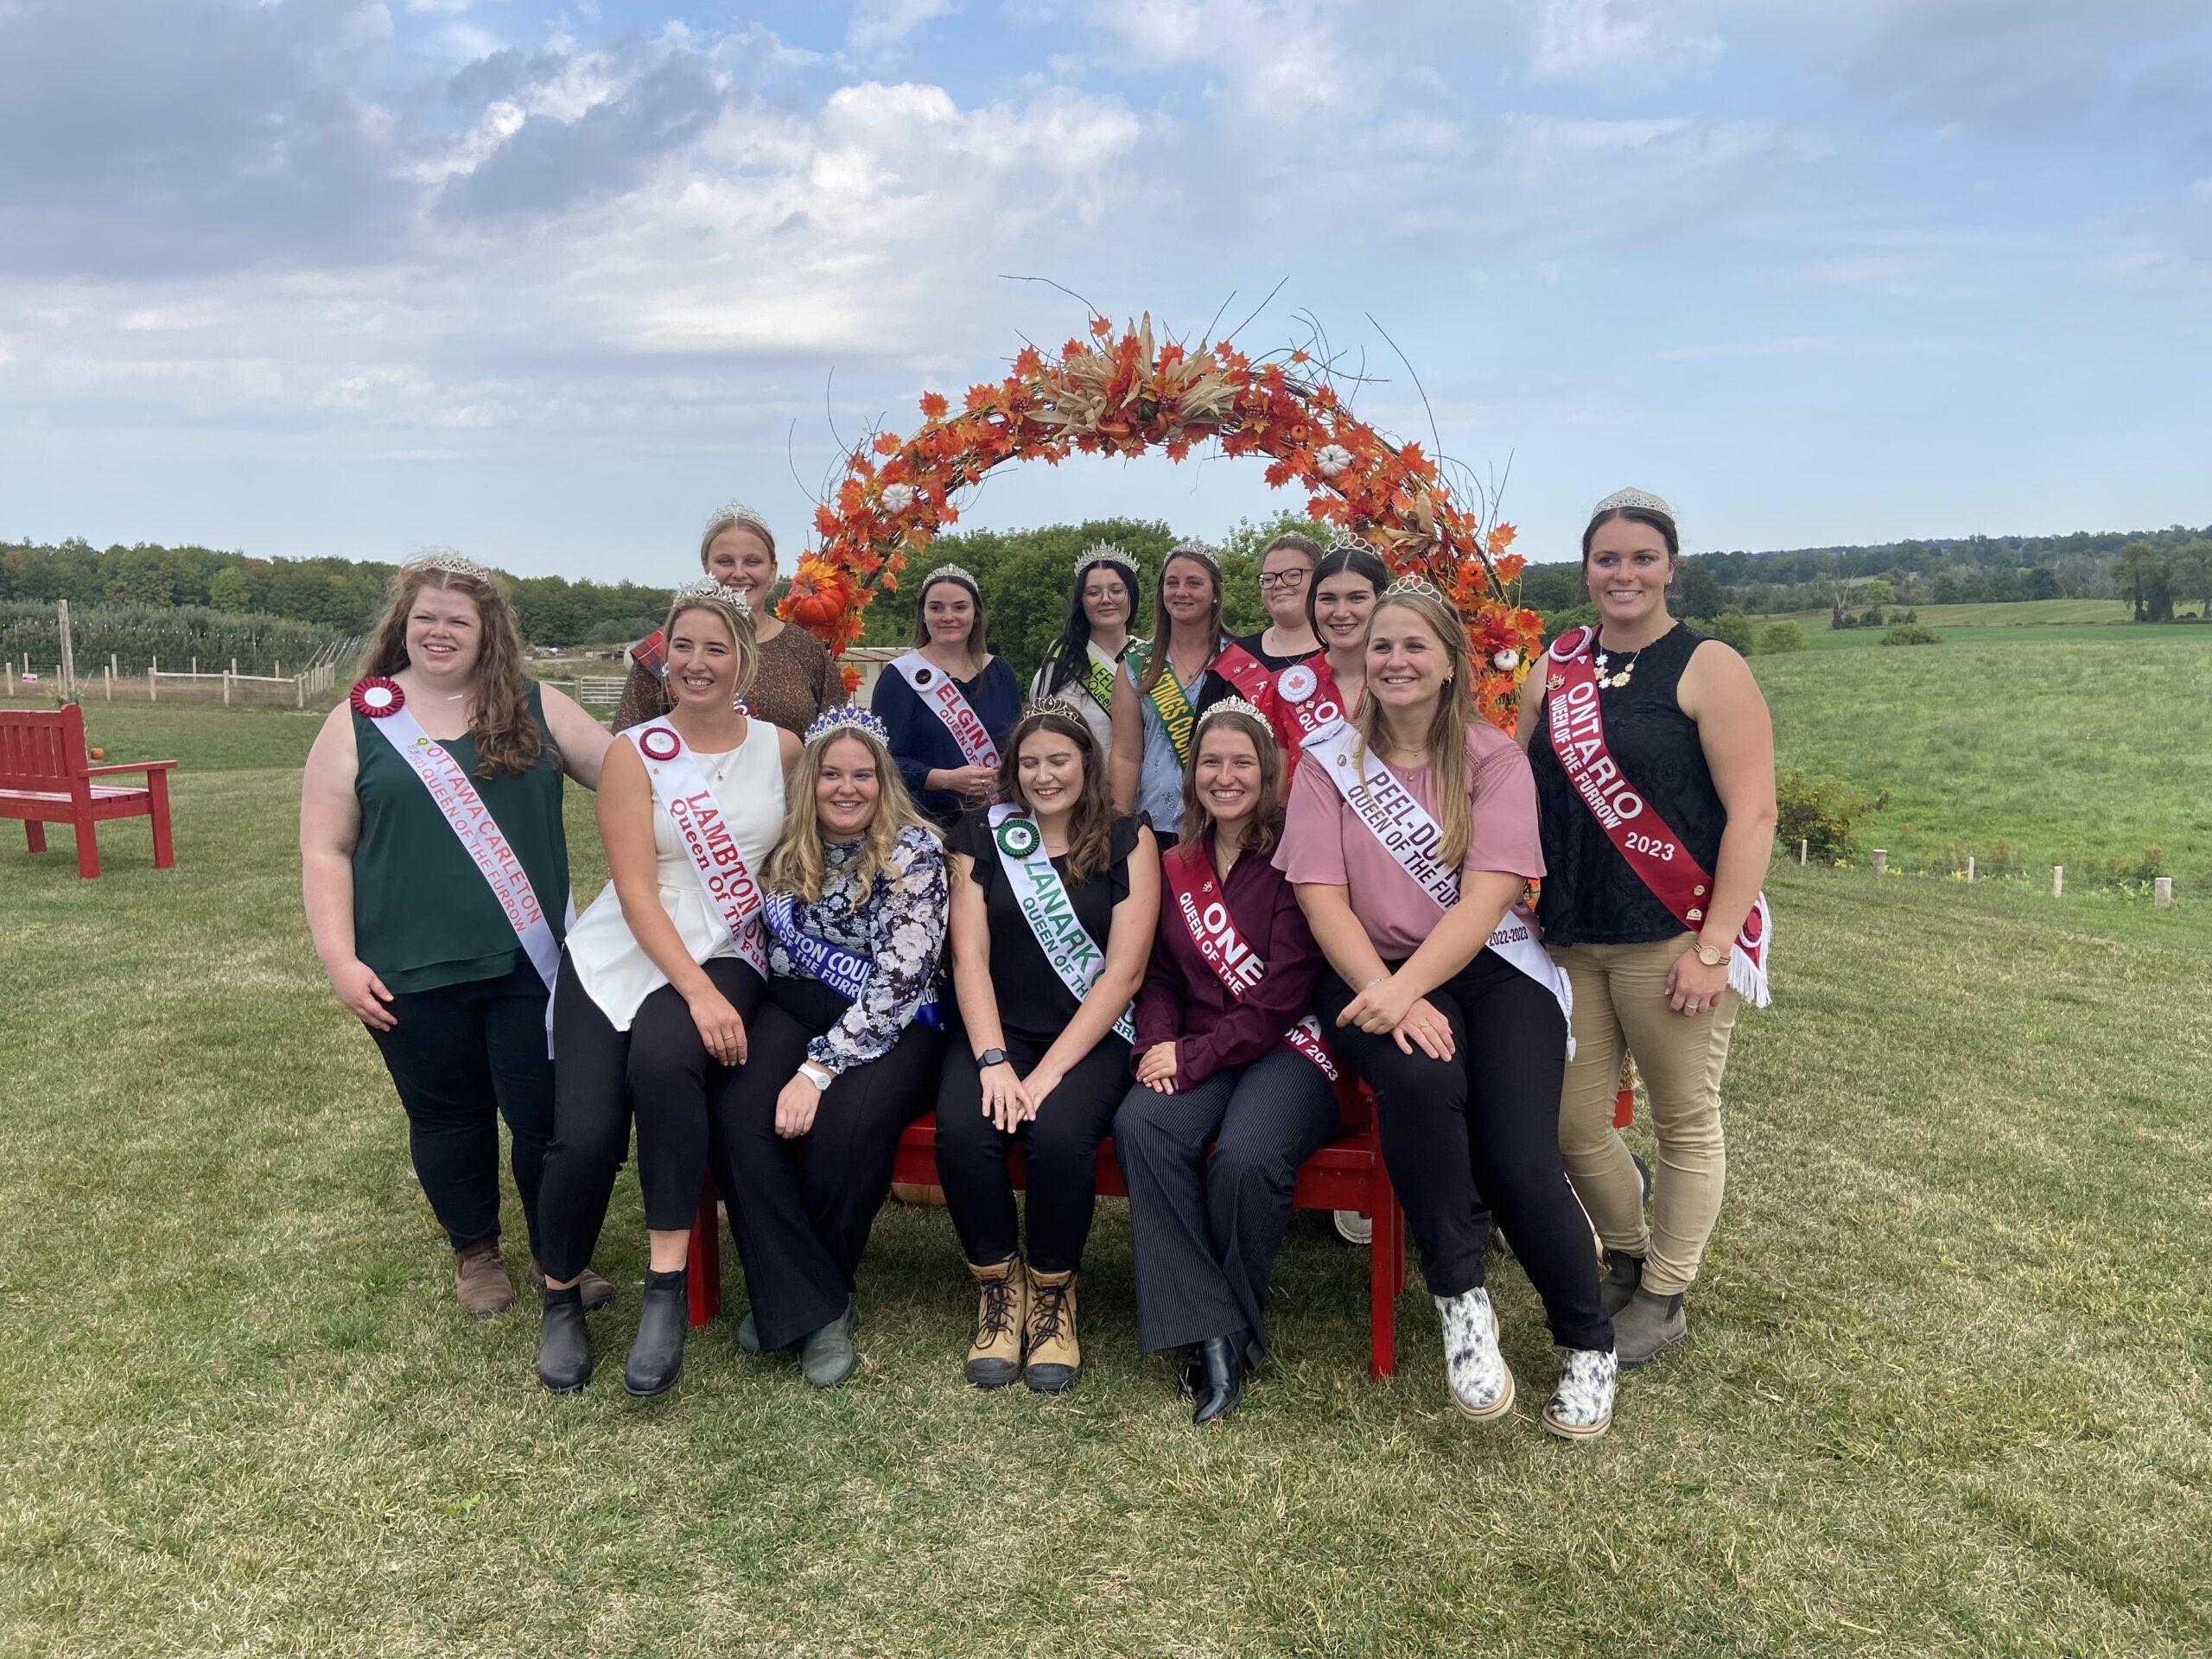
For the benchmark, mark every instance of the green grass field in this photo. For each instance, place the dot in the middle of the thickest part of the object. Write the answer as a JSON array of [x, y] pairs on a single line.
[[2013, 613], [1946, 1390]]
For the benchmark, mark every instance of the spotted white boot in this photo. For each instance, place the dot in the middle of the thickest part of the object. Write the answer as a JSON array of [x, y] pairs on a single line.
[[1581, 1407], [1482, 1386]]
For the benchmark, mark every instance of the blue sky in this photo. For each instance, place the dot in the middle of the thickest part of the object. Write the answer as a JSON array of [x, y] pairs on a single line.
[[549, 282]]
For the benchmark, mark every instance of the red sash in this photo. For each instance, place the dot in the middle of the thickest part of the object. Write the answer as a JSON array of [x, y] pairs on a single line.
[[1301, 704], [1204, 910], [1653, 850], [1243, 670]]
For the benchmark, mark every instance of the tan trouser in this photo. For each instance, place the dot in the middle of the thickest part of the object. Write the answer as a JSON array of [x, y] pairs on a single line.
[[1620, 996]]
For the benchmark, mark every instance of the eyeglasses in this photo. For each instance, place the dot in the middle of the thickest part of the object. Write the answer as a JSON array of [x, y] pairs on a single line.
[[1284, 579]]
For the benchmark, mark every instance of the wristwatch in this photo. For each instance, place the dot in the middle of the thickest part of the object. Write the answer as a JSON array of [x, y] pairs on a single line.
[[988, 1058], [1713, 955], [815, 1075]]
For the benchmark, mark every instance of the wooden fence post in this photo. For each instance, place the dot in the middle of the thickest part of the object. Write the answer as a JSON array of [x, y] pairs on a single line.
[[2162, 893], [195, 664], [1969, 869], [1803, 844], [226, 690], [110, 677], [1881, 860], [2058, 880], [11, 677], [153, 682], [299, 691]]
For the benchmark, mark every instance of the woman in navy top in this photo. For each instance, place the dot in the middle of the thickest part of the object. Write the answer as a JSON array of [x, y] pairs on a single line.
[[948, 703]]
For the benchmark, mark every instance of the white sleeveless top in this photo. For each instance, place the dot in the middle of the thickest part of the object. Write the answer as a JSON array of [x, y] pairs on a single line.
[[747, 782]]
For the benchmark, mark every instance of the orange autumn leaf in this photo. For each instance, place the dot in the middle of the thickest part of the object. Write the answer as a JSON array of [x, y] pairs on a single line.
[[1028, 363], [1099, 327], [887, 443], [933, 406]]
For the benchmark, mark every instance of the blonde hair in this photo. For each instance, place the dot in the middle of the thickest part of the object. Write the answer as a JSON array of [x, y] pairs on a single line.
[[507, 737], [1163, 630], [735, 519], [798, 865], [1445, 740], [1266, 825], [733, 614]]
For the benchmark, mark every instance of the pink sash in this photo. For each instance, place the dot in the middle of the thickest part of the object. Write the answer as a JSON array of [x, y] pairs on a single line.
[[1638, 834], [1204, 910]]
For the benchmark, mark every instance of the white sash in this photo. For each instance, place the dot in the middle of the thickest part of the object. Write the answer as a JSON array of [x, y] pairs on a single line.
[[942, 696], [1042, 898], [680, 791], [1410, 836]]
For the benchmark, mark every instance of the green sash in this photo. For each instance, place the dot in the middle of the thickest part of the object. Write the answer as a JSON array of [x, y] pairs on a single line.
[[1167, 696]]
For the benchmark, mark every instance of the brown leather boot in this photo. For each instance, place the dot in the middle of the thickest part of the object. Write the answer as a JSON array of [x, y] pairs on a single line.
[[479, 1279], [995, 1355], [1055, 1357]]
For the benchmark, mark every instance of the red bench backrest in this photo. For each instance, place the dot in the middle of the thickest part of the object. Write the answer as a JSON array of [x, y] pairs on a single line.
[[41, 751]]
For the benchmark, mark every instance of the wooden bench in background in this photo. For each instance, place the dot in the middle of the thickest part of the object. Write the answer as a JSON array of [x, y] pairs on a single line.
[[46, 777], [1346, 1174]]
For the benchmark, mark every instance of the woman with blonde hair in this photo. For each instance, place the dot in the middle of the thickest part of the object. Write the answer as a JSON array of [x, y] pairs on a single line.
[[662, 974], [948, 703], [1228, 1056], [842, 1047], [793, 677], [1410, 837], [435, 873]]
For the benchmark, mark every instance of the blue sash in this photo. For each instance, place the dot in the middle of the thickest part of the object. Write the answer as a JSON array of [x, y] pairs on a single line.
[[841, 970]]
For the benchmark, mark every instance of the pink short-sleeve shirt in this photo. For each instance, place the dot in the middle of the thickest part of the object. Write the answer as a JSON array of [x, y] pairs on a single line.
[[1325, 844]]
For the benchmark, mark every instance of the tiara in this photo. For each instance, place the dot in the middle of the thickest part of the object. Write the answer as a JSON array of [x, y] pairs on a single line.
[[851, 718], [1196, 550], [1421, 586], [1235, 706], [1640, 500], [948, 573], [736, 512], [453, 563], [1349, 542], [1054, 704], [1103, 553], [707, 591]]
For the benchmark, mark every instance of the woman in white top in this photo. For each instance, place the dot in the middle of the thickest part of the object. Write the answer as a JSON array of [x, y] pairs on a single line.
[[649, 1012], [1080, 665]]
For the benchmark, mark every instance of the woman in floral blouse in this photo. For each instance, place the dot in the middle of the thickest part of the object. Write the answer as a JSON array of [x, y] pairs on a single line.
[[842, 1047]]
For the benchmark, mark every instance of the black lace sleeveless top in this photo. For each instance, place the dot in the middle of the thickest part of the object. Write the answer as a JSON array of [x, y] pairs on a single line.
[[1591, 896]]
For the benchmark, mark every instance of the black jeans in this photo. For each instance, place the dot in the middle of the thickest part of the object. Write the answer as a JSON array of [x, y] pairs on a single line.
[[659, 1072], [802, 1209], [463, 1057], [1488, 1117], [1205, 1225], [1060, 1144]]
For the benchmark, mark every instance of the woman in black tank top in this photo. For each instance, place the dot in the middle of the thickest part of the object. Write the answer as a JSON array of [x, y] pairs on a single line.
[[1684, 722]]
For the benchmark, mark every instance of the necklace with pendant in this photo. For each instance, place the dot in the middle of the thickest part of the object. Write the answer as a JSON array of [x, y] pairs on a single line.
[[1627, 668]]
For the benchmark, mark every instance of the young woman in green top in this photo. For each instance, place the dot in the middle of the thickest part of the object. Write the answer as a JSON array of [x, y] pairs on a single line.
[[419, 945]]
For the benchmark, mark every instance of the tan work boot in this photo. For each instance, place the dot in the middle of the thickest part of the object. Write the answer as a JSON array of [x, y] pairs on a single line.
[[596, 1292], [995, 1357], [479, 1279], [1055, 1356]]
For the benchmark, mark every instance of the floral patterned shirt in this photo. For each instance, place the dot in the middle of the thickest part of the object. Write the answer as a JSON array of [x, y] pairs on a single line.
[[899, 923]]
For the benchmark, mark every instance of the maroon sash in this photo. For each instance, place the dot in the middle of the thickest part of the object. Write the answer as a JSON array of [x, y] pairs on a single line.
[[1653, 850], [1204, 910]]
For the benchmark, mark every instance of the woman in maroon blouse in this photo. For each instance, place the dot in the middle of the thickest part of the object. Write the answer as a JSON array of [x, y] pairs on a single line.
[[1226, 1052]]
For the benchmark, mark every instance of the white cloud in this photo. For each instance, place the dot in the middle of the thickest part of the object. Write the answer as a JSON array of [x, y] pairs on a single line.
[[877, 24], [1582, 39]]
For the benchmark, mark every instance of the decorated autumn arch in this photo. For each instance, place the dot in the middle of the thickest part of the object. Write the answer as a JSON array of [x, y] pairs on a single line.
[[1123, 395]]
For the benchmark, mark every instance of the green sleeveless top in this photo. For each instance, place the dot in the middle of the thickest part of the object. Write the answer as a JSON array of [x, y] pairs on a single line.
[[423, 915]]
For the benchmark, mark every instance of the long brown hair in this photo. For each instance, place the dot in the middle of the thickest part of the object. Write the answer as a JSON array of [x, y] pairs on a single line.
[[798, 864], [1267, 817], [1163, 629], [507, 739], [976, 648], [1091, 826], [1445, 740]]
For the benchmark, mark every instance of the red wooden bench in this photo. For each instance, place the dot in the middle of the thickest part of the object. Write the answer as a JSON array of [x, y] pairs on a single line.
[[1346, 1174], [46, 777]]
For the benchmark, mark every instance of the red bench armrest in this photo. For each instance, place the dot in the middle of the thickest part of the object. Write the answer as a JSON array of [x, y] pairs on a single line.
[[129, 766]]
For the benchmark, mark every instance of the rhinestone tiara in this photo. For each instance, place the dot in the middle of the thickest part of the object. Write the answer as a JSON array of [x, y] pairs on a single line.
[[734, 512], [949, 572], [851, 718], [1349, 542], [707, 591], [1103, 553], [1054, 704], [452, 562], [1236, 706], [1423, 587], [1642, 500], [1195, 550]]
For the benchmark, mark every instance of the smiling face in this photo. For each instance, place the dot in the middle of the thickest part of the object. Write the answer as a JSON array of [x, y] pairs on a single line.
[[445, 632], [1228, 773], [1106, 598], [846, 792], [1342, 605], [949, 613], [1627, 570], [1048, 770], [702, 661], [1186, 589], [1408, 663], [1284, 572], [738, 559]]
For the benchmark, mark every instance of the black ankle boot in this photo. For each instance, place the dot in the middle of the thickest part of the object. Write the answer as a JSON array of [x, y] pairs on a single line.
[[563, 1344], [1221, 1377], [657, 1356]]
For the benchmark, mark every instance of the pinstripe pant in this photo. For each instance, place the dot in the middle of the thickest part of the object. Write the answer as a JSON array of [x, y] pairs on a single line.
[[1204, 1227]]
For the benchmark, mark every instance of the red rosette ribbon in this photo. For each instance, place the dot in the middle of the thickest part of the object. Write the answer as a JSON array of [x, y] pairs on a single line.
[[376, 697]]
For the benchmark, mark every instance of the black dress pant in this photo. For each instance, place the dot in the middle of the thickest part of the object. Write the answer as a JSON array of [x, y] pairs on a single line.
[[1060, 1145], [1204, 1227], [659, 1072], [1486, 1118], [802, 1209], [463, 1057]]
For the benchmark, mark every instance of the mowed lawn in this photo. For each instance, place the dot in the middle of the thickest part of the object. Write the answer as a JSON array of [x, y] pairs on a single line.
[[1945, 1391]]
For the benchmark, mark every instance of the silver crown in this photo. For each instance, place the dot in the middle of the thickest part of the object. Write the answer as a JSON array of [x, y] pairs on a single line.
[[851, 718], [952, 572], [1236, 706], [1642, 500], [1056, 703], [707, 591], [1103, 553], [452, 562], [1196, 550], [1349, 542], [731, 513], [1422, 586]]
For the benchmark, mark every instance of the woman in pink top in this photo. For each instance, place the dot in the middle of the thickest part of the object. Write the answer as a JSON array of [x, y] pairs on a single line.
[[1410, 835]]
